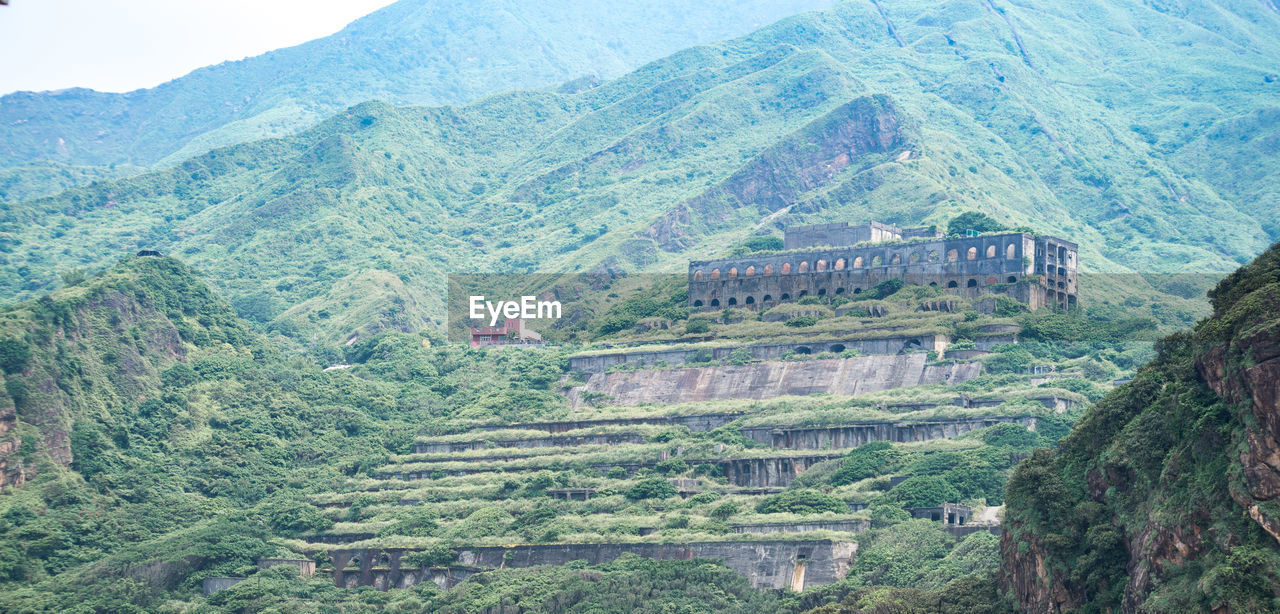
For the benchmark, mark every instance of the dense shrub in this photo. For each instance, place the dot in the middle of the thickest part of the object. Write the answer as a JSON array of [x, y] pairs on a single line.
[[923, 491], [651, 488], [801, 502]]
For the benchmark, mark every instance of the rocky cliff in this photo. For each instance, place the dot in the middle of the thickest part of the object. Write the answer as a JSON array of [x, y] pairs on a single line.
[[1164, 496], [842, 376], [98, 347]]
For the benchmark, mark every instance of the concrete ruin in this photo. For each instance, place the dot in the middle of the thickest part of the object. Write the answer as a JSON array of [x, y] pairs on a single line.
[[950, 514], [889, 344], [837, 259], [837, 376], [794, 565], [819, 437]]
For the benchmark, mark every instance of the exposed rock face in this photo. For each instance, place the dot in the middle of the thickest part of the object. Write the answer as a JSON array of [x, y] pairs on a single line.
[[1166, 495], [840, 376], [769, 564]]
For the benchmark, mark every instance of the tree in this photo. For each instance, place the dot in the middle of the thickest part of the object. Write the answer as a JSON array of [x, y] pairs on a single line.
[[975, 221], [923, 491]]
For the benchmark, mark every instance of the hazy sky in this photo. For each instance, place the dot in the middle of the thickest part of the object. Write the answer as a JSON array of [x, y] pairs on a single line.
[[122, 45]]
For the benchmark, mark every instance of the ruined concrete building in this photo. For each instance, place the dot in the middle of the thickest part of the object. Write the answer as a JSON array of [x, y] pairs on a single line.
[[836, 259]]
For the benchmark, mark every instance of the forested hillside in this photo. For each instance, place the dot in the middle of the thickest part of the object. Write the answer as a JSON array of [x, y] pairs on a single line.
[[1163, 498], [1029, 113], [411, 52]]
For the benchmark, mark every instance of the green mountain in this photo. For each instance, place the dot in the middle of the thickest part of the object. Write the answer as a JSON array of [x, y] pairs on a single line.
[[411, 52], [910, 113], [1164, 497]]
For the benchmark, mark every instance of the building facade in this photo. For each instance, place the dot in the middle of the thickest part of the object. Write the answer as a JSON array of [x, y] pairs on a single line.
[[506, 332], [1039, 271]]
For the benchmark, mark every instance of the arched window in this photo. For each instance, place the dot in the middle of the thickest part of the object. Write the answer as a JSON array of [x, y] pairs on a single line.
[[877, 261], [768, 269], [786, 268], [715, 273], [697, 303], [839, 291], [804, 267], [697, 275], [822, 292], [933, 284], [857, 262], [733, 271], [933, 256], [857, 290], [897, 259], [913, 258], [839, 264], [715, 302], [1011, 252], [820, 266], [991, 251], [972, 254], [803, 293], [785, 297], [768, 298], [952, 255], [751, 270], [734, 301], [950, 284], [973, 283], [750, 300], [1012, 279]]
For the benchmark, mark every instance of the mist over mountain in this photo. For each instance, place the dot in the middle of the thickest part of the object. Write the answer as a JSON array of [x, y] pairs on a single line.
[[411, 52]]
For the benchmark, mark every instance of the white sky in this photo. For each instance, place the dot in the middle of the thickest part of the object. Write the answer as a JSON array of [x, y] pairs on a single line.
[[122, 45]]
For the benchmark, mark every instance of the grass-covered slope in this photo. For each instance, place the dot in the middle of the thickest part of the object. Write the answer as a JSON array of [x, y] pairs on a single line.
[[823, 116], [1163, 498], [412, 52]]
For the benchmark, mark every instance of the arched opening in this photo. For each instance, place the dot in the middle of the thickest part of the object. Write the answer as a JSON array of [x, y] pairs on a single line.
[[803, 293], [715, 273], [857, 262], [751, 300], [734, 301], [991, 251], [697, 275], [972, 254], [822, 291], [839, 264], [857, 290], [933, 255], [697, 303], [715, 302], [933, 284], [768, 298], [751, 270], [1012, 279], [877, 261], [913, 258], [897, 259], [952, 255], [839, 291], [803, 350], [786, 268], [384, 561], [784, 297], [1061, 285], [820, 266], [733, 271], [836, 348], [952, 284], [1011, 252], [768, 269], [973, 283], [804, 266]]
